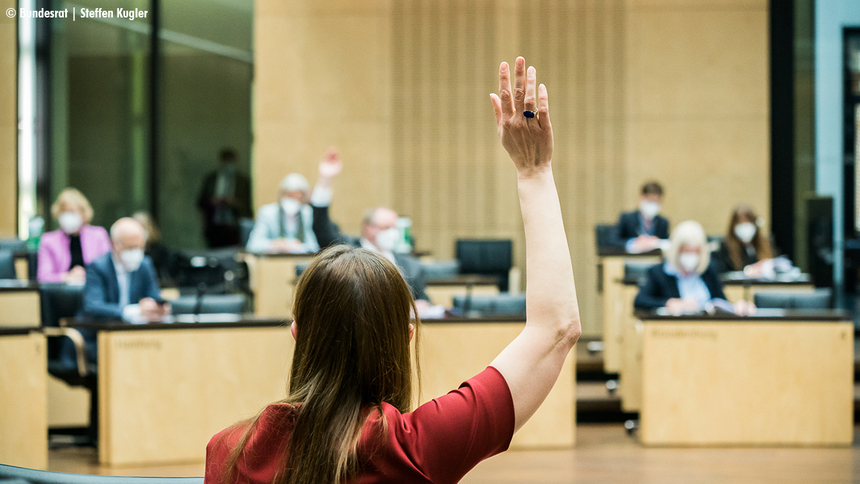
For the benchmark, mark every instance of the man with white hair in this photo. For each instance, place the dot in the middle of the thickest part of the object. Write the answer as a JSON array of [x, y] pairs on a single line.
[[122, 284], [287, 225]]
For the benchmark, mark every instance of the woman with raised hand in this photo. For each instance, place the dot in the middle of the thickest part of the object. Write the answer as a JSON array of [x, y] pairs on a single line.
[[347, 415]]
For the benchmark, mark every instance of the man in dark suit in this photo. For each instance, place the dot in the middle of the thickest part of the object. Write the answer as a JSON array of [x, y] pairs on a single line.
[[224, 199], [122, 284], [378, 230], [642, 230]]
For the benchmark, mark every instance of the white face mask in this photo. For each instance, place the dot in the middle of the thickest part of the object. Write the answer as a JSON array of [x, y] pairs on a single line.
[[70, 222], [291, 205], [649, 210], [387, 239], [131, 259], [745, 231], [689, 261]]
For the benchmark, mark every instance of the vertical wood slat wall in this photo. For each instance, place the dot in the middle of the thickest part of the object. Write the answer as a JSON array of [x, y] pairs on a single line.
[[450, 174], [8, 121], [669, 89]]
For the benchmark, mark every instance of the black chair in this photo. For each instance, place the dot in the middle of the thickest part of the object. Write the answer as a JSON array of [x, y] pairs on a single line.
[[210, 304], [246, 226], [33, 476], [66, 351], [487, 258], [216, 271], [441, 269], [637, 271], [7, 264], [815, 299], [499, 305], [603, 235]]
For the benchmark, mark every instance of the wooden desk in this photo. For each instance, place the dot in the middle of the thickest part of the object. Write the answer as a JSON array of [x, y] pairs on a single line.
[[166, 389], [442, 291], [272, 279], [23, 393], [778, 378], [737, 288], [454, 350], [19, 304], [611, 269]]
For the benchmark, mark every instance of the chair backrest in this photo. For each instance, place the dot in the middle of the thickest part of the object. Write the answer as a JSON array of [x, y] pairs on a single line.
[[603, 235], [210, 304], [815, 299], [218, 270], [7, 264], [246, 226], [503, 304], [441, 269], [60, 301], [486, 257], [33, 476], [636, 271]]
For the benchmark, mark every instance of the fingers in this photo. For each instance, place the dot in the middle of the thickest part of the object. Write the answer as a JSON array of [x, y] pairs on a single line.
[[530, 103], [519, 84], [505, 96], [497, 108], [543, 111]]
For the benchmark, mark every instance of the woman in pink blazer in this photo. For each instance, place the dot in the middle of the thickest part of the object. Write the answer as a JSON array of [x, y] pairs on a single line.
[[64, 252]]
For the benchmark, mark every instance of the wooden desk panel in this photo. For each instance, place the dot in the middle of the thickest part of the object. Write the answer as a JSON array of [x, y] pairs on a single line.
[[615, 307], [747, 383], [20, 308], [453, 353], [630, 372], [272, 279], [164, 393], [23, 393]]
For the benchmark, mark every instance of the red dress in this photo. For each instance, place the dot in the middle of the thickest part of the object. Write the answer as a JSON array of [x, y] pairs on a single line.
[[439, 442]]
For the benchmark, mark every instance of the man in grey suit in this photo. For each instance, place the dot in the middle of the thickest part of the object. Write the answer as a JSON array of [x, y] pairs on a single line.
[[378, 230]]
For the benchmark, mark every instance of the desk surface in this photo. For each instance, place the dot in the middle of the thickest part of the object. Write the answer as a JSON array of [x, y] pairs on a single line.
[[233, 321], [13, 285], [762, 315], [803, 280], [464, 280], [14, 331], [622, 252], [282, 255]]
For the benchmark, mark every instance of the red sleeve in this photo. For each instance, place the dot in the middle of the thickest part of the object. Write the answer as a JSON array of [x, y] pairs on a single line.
[[448, 436]]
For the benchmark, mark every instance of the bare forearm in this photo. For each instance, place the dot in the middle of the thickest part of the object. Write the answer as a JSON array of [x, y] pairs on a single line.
[[550, 291]]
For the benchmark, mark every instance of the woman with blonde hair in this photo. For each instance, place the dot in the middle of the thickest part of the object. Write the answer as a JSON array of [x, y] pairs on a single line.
[[65, 252], [347, 415], [686, 282]]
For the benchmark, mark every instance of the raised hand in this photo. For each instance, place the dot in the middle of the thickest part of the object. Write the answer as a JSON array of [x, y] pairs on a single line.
[[331, 164], [528, 140]]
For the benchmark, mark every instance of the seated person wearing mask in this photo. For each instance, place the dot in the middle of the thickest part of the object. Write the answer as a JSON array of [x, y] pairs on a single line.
[[123, 283], [64, 253], [287, 225], [643, 229], [378, 230], [745, 248], [685, 282]]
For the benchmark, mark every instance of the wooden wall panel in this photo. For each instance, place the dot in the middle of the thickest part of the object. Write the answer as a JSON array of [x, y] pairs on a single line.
[[669, 89], [8, 122]]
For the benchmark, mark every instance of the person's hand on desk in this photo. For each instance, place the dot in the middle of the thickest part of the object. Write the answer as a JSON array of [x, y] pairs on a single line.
[[682, 306], [77, 275], [645, 243], [151, 310], [744, 308], [289, 246]]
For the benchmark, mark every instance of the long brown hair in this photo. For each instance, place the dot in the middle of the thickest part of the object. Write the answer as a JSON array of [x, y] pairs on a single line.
[[352, 312], [735, 245]]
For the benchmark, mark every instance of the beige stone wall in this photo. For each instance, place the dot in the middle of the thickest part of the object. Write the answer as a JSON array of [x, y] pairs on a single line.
[[675, 90]]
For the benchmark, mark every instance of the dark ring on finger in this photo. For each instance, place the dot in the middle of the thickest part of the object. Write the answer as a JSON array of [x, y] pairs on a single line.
[[529, 114]]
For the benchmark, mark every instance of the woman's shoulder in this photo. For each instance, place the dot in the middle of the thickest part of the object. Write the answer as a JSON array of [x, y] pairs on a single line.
[[95, 231]]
